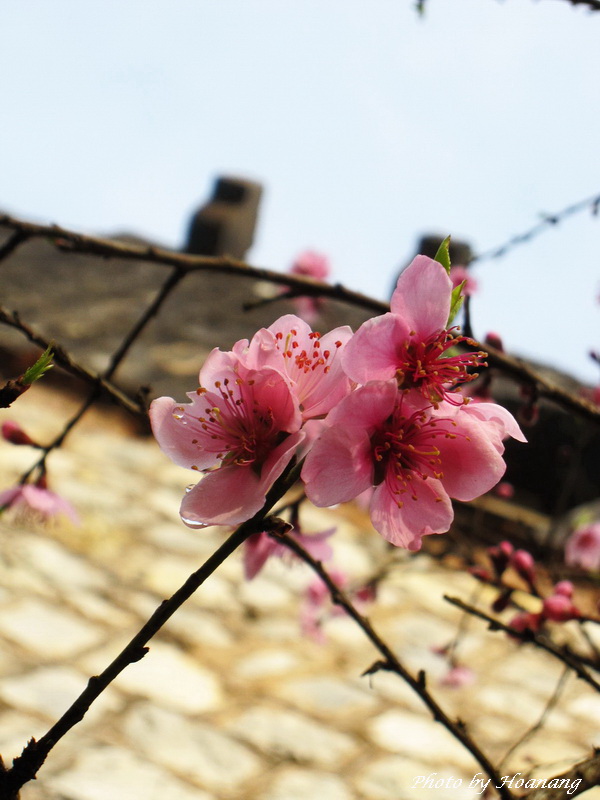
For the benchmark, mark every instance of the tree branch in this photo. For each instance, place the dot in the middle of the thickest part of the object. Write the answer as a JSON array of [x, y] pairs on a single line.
[[588, 772], [75, 242], [528, 636], [391, 663], [548, 220], [68, 363], [70, 241], [26, 766]]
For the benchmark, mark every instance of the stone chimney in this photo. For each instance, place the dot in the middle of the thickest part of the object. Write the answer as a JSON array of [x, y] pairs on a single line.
[[225, 225]]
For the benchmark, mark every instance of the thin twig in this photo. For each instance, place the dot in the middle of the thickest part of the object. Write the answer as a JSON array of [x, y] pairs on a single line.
[[593, 5], [558, 690], [587, 771], [76, 242], [522, 372], [174, 278], [70, 241], [26, 766], [391, 663], [11, 244], [529, 636], [70, 365], [548, 220]]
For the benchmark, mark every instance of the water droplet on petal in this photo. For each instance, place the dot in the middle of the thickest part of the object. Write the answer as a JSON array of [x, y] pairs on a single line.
[[189, 488], [193, 523]]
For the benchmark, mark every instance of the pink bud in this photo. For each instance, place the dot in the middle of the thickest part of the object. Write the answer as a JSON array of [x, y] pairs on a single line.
[[500, 556], [13, 433], [523, 563], [524, 621], [312, 264], [505, 490], [481, 574], [559, 608], [458, 676], [495, 340], [506, 548], [564, 588]]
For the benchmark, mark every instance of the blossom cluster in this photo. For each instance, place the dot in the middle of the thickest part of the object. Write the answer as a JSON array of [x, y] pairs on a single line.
[[379, 411], [554, 606]]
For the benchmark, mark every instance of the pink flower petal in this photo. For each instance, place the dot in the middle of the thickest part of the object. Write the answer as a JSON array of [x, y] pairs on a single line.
[[227, 496], [503, 421], [367, 407], [310, 363], [471, 463], [430, 513], [278, 460], [371, 354], [422, 296], [338, 467], [169, 421], [257, 550]]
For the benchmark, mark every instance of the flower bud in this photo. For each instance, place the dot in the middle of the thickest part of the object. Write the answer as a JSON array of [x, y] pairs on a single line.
[[13, 433], [525, 621], [559, 608], [564, 588], [500, 556], [523, 563], [495, 340], [505, 490]]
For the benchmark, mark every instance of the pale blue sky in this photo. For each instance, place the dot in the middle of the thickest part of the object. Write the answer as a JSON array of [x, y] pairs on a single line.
[[367, 125]]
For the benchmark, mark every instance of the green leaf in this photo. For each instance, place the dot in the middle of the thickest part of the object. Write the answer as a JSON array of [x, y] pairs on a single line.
[[456, 301], [443, 254], [41, 366]]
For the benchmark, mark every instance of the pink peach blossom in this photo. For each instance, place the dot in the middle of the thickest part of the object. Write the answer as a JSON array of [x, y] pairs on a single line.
[[317, 607], [458, 274], [415, 455], [582, 548], [311, 363], [312, 265], [241, 429], [38, 501], [411, 342], [458, 676], [260, 547]]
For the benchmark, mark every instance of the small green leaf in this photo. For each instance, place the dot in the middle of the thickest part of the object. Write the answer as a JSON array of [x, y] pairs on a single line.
[[41, 366], [456, 301], [443, 254]]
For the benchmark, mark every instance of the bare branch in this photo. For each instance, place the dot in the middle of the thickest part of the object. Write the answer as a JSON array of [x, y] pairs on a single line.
[[70, 241], [554, 698], [593, 5], [391, 663], [26, 766], [588, 772], [548, 220], [529, 636], [68, 363], [300, 285]]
